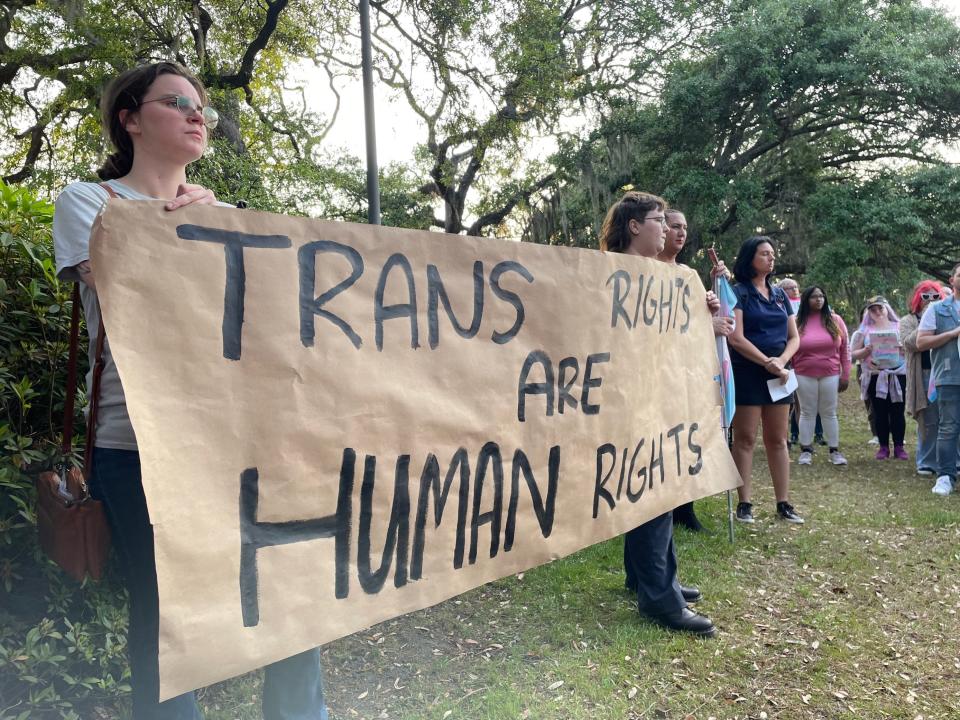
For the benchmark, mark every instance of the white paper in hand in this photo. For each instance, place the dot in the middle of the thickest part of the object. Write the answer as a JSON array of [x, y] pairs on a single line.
[[780, 390]]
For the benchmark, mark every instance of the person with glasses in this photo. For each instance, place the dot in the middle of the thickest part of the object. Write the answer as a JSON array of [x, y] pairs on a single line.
[[157, 119], [939, 332], [822, 365], [636, 225], [884, 366], [761, 347], [674, 242]]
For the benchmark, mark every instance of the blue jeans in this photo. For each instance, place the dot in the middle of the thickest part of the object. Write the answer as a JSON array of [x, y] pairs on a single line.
[[927, 433], [948, 398], [293, 688]]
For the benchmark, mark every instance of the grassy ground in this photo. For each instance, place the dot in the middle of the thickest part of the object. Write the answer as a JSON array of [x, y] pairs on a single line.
[[852, 615]]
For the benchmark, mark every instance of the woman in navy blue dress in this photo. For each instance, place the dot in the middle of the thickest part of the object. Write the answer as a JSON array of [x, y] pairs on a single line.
[[761, 346]]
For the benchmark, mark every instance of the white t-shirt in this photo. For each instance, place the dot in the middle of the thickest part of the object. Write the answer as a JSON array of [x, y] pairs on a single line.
[[928, 320], [76, 208]]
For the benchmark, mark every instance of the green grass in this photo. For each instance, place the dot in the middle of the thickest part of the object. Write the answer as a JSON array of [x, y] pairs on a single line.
[[852, 615]]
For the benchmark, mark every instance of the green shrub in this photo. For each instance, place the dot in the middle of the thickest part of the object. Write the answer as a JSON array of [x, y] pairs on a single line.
[[62, 645]]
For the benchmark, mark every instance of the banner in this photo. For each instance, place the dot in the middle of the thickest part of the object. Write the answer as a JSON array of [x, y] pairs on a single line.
[[342, 423]]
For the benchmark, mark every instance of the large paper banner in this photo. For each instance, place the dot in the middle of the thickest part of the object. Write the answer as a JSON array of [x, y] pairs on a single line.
[[342, 423]]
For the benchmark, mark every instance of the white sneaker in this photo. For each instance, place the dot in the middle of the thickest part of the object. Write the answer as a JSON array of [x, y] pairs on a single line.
[[873, 441], [944, 486], [925, 471], [837, 458], [806, 458]]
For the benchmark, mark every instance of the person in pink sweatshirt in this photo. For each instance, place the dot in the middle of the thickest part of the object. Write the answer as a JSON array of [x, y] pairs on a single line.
[[822, 366]]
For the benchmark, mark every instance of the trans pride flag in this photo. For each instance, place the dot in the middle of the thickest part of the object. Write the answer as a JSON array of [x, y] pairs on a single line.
[[728, 301]]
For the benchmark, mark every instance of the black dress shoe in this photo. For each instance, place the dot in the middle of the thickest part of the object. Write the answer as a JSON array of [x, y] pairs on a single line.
[[686, 620], [691, 594], [686, 516]]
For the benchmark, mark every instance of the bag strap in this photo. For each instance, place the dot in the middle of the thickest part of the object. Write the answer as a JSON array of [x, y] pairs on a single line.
[[98, 364], [70, 399], [97, 374]]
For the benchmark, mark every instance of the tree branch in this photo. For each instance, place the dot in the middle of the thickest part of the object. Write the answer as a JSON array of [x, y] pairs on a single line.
[[496, 217], [244, 74]]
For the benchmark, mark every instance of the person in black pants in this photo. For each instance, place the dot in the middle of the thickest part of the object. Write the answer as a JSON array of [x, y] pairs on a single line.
[[635, 225], [884, 375]]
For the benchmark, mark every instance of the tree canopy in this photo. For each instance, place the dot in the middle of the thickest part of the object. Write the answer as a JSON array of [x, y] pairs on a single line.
[[814, 121], [751, 115]]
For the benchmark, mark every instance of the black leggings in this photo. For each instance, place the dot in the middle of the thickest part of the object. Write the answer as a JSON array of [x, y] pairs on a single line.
[[888, 416]]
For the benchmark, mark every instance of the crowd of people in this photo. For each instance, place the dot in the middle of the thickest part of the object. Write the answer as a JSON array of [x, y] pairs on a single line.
[[157, 118]]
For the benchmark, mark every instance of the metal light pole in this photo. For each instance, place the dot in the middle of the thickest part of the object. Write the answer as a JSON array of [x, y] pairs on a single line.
[[373, 180]]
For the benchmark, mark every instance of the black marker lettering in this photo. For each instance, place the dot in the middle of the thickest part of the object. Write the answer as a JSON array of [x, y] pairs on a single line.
[[501, 338], [674, 432], [311, 306], [665, 302], [631, 496], [598, 488], [236, 282], [636, 309], [694, 448], [590, 382], [656, 458], [543, 510], [437, 294], [398, 529], [563, 386], [255, 535], [525, 388], [430, 483], [621, 280], [641, 475], [383, 312], [686, 309], [489, 455]]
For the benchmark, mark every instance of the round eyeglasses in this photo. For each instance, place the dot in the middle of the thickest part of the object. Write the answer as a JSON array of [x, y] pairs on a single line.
[[188, 107]]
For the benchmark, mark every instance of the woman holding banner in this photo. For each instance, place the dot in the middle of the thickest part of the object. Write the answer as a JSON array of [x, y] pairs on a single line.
[[762, 344], [157, 118], [884, 374], [635, 225]]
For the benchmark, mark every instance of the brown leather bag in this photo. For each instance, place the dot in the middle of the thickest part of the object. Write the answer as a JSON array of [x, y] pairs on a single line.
[[73, 526]]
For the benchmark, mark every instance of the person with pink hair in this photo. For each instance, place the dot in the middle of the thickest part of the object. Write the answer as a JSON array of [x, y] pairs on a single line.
[[918, 405], [884, 374]]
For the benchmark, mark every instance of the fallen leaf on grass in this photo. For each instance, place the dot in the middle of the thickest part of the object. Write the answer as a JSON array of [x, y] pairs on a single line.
[[555, 685]]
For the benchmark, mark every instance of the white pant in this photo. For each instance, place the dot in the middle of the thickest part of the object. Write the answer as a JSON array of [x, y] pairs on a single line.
[[818, 396]]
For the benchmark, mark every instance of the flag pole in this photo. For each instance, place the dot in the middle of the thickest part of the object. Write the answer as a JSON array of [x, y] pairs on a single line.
[[366, 56]]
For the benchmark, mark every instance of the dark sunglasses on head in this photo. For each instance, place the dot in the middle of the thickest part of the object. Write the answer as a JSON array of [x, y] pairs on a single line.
[[188, 107]]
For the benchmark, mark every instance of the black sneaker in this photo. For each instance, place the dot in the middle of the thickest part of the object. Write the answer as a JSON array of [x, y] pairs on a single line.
[[744, 512], [786, 511]]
